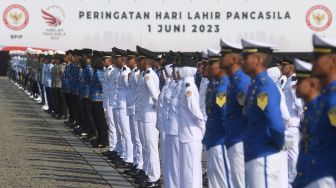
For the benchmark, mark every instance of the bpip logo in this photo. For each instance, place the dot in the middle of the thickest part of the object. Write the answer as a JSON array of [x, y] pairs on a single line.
[[319, 18], [53, 15], [16, 17]]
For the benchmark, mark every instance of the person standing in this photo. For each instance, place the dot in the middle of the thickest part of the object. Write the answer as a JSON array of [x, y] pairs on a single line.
[[234, 122], [319, 163], [264, 133], [130, 100], [191, 126], [295, 108], [218, 169], [149, 105]]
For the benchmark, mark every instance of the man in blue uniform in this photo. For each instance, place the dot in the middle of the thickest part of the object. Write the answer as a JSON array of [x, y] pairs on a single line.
[[264, 134], [214, 138], [308, 89], [320, 169], [234, 123]]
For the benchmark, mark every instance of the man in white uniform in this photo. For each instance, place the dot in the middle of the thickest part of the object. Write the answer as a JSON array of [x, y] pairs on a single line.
[[295, 108], [151, 93], [120, 58], [112, 136], [131, 98]]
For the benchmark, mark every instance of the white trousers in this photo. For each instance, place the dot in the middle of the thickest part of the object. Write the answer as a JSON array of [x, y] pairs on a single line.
[[45, 97], [163, 152], [141, 129], [126, 132], [283, 175], [292, 136], [263, 172], [191, 164], [237, 165], [218, 169], [120, 140], [112, 136], [137, 146], [326, 182], [152, 147], [172, 170]]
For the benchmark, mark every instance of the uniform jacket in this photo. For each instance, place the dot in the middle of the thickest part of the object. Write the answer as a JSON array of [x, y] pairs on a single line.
[[264, 132], [216, 111]]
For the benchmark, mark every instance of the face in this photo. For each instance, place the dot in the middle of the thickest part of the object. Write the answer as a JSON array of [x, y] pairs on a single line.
[[250, 63], [302, 88], [142, 64], [214, 70], [107, 62], [322, 66], [199, 68], [286, 69], [226, 61], [131, 62], [205, 71]]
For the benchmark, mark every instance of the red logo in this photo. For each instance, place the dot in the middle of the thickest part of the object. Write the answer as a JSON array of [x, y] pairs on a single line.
[[319, 18], [16, 17], [53, 15]]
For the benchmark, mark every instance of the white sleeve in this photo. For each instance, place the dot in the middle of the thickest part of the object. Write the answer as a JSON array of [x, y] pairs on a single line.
[[150, 83]]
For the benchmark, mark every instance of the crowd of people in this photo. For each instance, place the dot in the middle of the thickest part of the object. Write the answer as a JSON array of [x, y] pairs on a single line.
[[261, 120]]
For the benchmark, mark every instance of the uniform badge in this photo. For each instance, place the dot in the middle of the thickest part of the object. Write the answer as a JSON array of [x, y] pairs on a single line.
[[332, 116], [262, 100], [221, 99], [147, 78], [188, 93], [241, 98]]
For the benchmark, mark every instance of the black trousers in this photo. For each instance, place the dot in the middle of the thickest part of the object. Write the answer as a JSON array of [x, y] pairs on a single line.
[[50, 98], [73, 107], [91, 127], [67, 97], [60, 107], [100, 121], [80, 112]]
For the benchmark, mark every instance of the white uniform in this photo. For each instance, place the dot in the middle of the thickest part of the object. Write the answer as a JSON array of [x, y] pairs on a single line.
[[172, 170], [275, 73], [295, 109], [113, 97], [202, 93], [131, 99], [123, 119], [151, 93], [112, 136], [282, 81], [190, 132]]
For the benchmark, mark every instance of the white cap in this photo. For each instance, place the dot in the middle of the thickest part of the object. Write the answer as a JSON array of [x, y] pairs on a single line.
[[324, 44], [230, 45], [251, 46], [302, 68], [213, 53]]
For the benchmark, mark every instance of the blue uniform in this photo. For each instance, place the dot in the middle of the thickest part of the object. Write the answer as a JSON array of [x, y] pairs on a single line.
[[66, 79], [86, 80], [320, 160], [216, 109], [96, 88], [264, 134], [78, 73], [235, 123], [305, 129]]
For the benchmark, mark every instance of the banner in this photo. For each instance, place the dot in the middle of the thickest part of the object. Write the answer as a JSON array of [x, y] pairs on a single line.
[[162, 25]]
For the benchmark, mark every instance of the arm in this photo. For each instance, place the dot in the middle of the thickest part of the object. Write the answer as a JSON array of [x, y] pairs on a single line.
[[150, 83], [271, 98]]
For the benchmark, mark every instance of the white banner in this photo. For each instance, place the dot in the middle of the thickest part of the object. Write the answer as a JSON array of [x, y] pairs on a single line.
[[161, 25]]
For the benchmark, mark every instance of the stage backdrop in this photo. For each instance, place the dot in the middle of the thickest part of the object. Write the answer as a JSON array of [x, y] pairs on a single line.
[[185, 25]]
